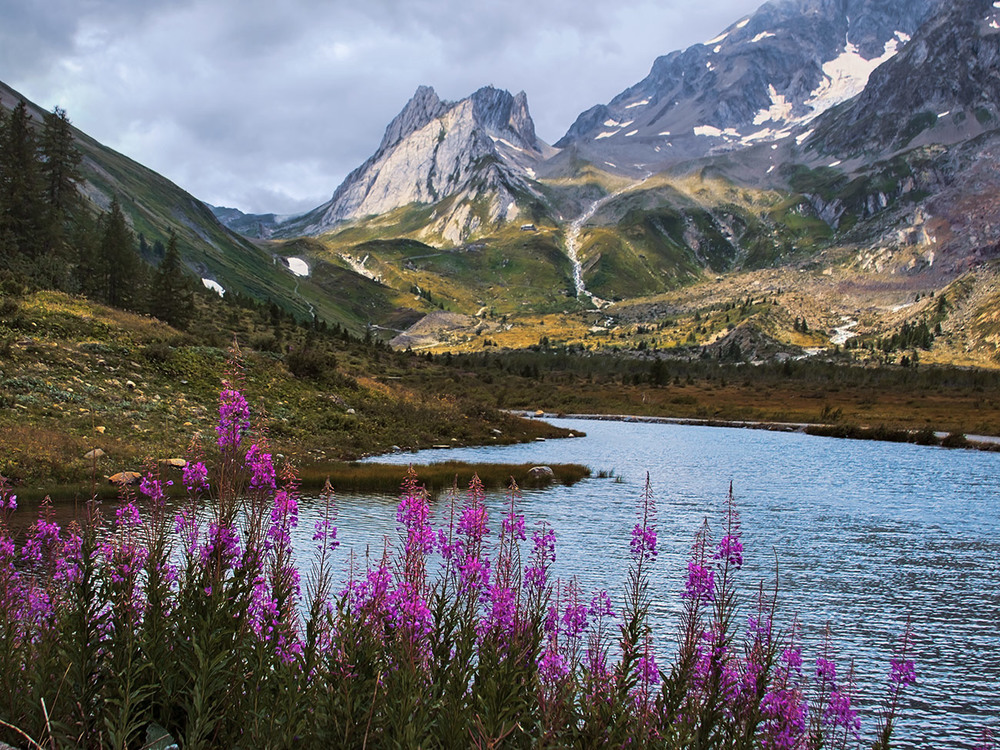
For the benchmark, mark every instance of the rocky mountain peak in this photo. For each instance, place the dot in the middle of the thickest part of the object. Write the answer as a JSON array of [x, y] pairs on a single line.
[[504, 116], [479, 151], [422, 108], [765, 75]]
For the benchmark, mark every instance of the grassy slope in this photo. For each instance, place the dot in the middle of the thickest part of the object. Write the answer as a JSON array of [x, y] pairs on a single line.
[[75, 375]]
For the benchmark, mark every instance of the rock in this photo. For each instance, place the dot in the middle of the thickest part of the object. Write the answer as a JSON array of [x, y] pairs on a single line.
[[125, 478], [176, 463], [541, 473], [100, 430], [130, 384], [92, 454], [351, 411]]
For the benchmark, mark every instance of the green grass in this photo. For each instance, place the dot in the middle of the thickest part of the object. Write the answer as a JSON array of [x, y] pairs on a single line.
[[387, 478]]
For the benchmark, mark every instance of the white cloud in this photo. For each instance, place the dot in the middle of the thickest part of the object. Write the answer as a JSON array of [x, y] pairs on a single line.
[[268, 106]]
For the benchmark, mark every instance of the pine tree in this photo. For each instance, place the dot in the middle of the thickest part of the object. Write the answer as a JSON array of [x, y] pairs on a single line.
[[60, 171], [171, 298], [21, 204], [117, 263]]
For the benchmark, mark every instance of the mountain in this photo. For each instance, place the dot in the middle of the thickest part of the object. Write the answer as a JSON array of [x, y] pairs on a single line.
[[921, 144], [257, 226], [478, 154], [765, 75], [943, 86]]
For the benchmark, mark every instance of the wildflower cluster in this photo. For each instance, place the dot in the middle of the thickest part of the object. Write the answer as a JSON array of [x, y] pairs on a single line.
[[197, 620]]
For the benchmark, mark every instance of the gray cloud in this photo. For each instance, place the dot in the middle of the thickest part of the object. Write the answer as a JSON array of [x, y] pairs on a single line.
[[268, 106]]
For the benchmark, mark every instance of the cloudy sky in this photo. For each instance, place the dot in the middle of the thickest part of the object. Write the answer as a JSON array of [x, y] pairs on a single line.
[[266, 106]]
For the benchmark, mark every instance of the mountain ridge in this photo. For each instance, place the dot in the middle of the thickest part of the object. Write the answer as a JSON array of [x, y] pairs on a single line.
[[480, 149]]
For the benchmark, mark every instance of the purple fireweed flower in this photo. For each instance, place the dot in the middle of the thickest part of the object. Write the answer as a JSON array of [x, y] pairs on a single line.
[[513, 526], [409, 614], [792, 657], [263, 609], [8, 503], [127, 516], [196, 477], [551, 622], [284, 518], [472, 524], [234, 418], [68, 561], [413, 516], [262, 474], [552, 666], [186, 527], [784, 725], [643, 541], [7, 549], [542, 556], [840, 713], [826, 671], [501, 614], [325, 533], [901, 672], [700, 584], [447, 548], [759, 629], [223, 544], [42, 540], [473, 574], [153, 488], [600, 605], [647, 671], [731, 551], [574, 620]]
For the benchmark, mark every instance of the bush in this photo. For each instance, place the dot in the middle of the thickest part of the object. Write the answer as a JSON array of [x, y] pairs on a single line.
[[311, 363]]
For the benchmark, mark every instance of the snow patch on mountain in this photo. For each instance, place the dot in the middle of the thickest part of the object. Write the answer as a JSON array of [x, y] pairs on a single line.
[[214, 286], [847, 75], [298, 266]]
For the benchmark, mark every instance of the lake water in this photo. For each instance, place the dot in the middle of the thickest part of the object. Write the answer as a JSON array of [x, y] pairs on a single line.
[[862, 535]]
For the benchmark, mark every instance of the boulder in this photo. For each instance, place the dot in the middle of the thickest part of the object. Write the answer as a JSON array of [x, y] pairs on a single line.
[[92, 454], [125, 478], [541, 473], [176, 463]]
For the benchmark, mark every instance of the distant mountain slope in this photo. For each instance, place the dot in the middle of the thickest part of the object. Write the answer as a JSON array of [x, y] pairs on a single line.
[[155, 206], [228, 261], [776, 69], [479, 152]]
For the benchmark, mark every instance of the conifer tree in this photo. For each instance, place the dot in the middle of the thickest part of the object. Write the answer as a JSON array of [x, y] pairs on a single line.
[[60, 171], [171, 297], [117, 262], [21, 206]]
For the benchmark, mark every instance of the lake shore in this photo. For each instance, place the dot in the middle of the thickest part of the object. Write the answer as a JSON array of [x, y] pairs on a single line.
[[855, 432]]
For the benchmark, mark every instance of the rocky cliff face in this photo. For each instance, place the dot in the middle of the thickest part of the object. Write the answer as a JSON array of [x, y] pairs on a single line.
[[944, 87], [764, 76], [478, 152]]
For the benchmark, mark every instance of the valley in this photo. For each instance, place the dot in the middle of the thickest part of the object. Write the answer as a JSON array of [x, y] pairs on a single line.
[[780, 237]]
